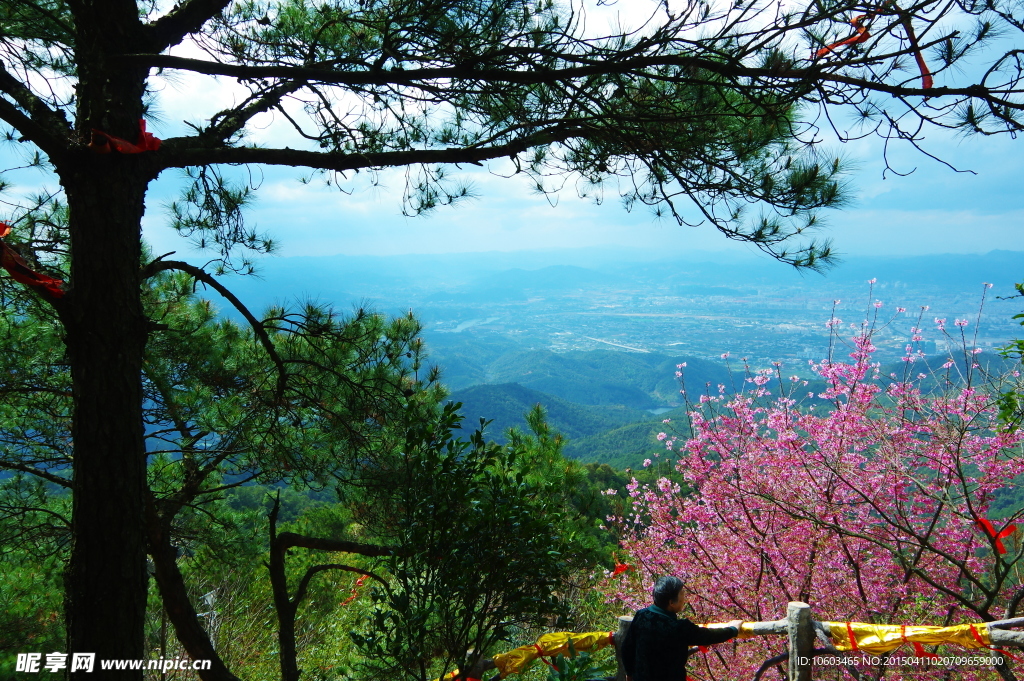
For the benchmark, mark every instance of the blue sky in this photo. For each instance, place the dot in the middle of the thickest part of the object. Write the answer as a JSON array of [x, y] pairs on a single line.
[[932, 210]]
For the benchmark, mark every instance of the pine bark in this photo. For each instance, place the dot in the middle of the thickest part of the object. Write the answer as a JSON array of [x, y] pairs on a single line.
[[105, 335], [105, 327]]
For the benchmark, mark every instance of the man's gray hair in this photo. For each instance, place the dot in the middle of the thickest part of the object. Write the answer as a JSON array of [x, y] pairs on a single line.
[[665, 590]]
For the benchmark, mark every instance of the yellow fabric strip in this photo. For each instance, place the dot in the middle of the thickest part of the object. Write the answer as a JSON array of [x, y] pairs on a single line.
[[881, 638], [515, 661]]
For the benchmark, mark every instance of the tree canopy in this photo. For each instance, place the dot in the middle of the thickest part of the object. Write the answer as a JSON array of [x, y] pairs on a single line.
[[717, 105]]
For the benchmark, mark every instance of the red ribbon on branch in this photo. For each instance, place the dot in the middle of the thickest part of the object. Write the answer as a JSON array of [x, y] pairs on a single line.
[[860, 36], [21, 272], [541, 654], [981, 642], [990, 530], [102, 143], [926, 75], [355, 591], [853, 638]]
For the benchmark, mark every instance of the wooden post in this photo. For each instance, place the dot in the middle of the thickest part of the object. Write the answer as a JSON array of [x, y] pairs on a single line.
[[620, 636], [801, 640]]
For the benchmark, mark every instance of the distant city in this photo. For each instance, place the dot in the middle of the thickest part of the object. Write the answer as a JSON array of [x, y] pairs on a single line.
[[589, 299]]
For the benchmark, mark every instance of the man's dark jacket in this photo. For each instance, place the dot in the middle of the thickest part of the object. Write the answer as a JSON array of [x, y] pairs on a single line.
[[657, 644]]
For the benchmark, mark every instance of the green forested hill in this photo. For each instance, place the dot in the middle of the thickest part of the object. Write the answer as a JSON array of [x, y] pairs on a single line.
[[595, 377], [506, 404], [627, 446], [618, 436]]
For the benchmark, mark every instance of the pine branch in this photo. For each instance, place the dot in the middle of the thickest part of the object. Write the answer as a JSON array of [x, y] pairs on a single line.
[[202, 275], [634, 66], [183, 20], [36, 122], [178, 152]]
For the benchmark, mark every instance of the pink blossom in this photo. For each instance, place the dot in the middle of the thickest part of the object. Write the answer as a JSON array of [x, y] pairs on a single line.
[[662, 436], [960, 322], [901, 309], [833, 504], [647, 462]]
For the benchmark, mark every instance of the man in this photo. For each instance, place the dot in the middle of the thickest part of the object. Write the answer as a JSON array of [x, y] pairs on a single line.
[[657, 643]]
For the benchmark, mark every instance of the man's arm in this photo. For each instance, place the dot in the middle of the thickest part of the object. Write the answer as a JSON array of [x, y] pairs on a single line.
[[694, 635]]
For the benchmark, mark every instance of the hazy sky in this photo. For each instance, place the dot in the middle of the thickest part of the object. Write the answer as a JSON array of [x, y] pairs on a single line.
[[933, 210]]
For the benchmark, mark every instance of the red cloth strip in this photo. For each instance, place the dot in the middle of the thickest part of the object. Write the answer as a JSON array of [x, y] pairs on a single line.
[[102, 143], [990, 530], [20, 271], [540, 654], [926, 75], [918, 648], [860, 36], [853, 639], [977, 637]]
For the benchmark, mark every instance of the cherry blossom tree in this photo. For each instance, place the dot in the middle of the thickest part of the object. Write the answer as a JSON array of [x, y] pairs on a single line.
[[878, 499]]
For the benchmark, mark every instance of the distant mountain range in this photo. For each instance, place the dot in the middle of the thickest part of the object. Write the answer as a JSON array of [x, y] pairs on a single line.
[[604, 400], [638, 381], [460, 278]]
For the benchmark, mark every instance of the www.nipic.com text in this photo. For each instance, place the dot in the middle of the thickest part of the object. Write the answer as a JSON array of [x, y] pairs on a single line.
[[86, 662]]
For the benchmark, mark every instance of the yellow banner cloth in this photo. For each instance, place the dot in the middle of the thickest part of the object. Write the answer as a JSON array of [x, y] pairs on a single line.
[[881, 638], [515, 661]]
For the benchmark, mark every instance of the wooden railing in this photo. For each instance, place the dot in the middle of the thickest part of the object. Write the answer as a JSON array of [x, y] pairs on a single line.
[[802, 630]]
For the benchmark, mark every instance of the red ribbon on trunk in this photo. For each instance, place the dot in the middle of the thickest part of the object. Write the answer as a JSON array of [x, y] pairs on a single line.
[[102, 143]]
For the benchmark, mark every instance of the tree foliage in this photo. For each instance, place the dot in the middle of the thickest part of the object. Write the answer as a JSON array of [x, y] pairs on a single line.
[[487, 540]]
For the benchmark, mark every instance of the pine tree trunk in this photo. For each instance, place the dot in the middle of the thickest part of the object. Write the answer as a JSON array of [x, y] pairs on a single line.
[[105, 336], [107, 581]]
